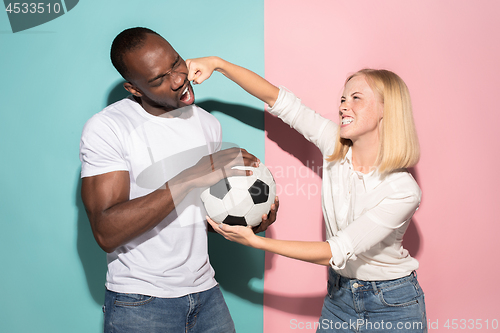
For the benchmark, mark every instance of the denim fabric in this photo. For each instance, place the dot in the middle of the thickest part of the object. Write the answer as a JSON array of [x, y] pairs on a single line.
[[373, 306], [202, 312]]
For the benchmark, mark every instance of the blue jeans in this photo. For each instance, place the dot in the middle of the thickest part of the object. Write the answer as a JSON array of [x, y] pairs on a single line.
[[201, 312], [373, 306]]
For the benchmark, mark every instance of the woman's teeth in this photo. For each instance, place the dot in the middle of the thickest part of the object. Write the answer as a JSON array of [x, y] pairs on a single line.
[[346, 121]]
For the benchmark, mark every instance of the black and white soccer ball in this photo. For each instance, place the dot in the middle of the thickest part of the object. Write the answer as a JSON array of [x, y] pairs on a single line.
[[241, 200]]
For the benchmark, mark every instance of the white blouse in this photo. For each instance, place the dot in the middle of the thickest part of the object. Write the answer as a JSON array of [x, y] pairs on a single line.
[[366, 215]]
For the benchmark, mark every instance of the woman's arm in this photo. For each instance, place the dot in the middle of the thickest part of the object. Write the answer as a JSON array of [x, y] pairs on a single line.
[[313, 252], [359, 236], [201, 69], [373, 227], [315, 128]]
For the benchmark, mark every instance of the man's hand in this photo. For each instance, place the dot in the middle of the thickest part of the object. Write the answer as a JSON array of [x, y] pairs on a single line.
[[268, 219], [212, 168]]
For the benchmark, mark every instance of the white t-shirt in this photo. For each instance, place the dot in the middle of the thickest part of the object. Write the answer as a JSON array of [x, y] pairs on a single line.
[[171, 260], [366, 215]]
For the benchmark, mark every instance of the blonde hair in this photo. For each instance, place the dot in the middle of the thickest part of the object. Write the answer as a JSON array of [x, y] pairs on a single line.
[[399, 147]]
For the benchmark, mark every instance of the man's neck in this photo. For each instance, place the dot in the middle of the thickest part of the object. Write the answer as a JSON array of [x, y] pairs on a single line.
[[158, 112]]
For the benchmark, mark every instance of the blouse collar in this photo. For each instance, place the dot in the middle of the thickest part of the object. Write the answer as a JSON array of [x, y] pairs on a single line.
[[370, 180]]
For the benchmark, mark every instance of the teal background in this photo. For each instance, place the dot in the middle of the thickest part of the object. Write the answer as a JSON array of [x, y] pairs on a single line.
[[54, 78]]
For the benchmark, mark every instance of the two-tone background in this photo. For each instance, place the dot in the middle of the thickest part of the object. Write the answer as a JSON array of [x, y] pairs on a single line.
[[57, 75]]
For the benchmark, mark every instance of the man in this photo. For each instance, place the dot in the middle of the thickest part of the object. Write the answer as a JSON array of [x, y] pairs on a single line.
[[144, 160]]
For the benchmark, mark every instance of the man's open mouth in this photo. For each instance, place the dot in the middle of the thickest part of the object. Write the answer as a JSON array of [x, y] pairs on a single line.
[[187, 95]]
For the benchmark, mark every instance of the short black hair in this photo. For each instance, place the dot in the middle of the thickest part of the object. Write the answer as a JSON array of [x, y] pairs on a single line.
[[126, 41]]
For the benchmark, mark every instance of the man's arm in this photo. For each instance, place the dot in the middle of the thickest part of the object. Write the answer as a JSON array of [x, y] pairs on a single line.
[[115, 219]]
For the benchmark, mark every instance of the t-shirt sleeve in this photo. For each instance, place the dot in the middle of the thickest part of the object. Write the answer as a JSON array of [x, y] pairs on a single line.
[[315, 128], [372, 227], [100, 148]]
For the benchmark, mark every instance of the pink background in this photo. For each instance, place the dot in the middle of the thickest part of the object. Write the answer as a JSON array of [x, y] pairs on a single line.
[[447, 52]]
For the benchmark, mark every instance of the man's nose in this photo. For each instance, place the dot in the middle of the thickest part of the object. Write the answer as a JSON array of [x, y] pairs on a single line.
[[178, 79]]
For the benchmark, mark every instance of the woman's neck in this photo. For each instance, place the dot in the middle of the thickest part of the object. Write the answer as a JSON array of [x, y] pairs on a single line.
[[364, 155]]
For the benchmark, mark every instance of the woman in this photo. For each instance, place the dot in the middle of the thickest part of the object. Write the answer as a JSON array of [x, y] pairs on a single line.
[[368, 197]]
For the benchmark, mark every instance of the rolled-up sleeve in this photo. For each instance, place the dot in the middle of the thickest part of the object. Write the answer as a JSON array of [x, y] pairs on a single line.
[[371, 228]]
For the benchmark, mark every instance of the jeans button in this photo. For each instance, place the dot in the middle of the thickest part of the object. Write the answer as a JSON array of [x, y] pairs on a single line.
[[355, 285]]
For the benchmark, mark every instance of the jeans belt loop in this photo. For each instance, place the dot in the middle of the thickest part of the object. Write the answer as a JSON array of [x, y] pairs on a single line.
[[374, 286]]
